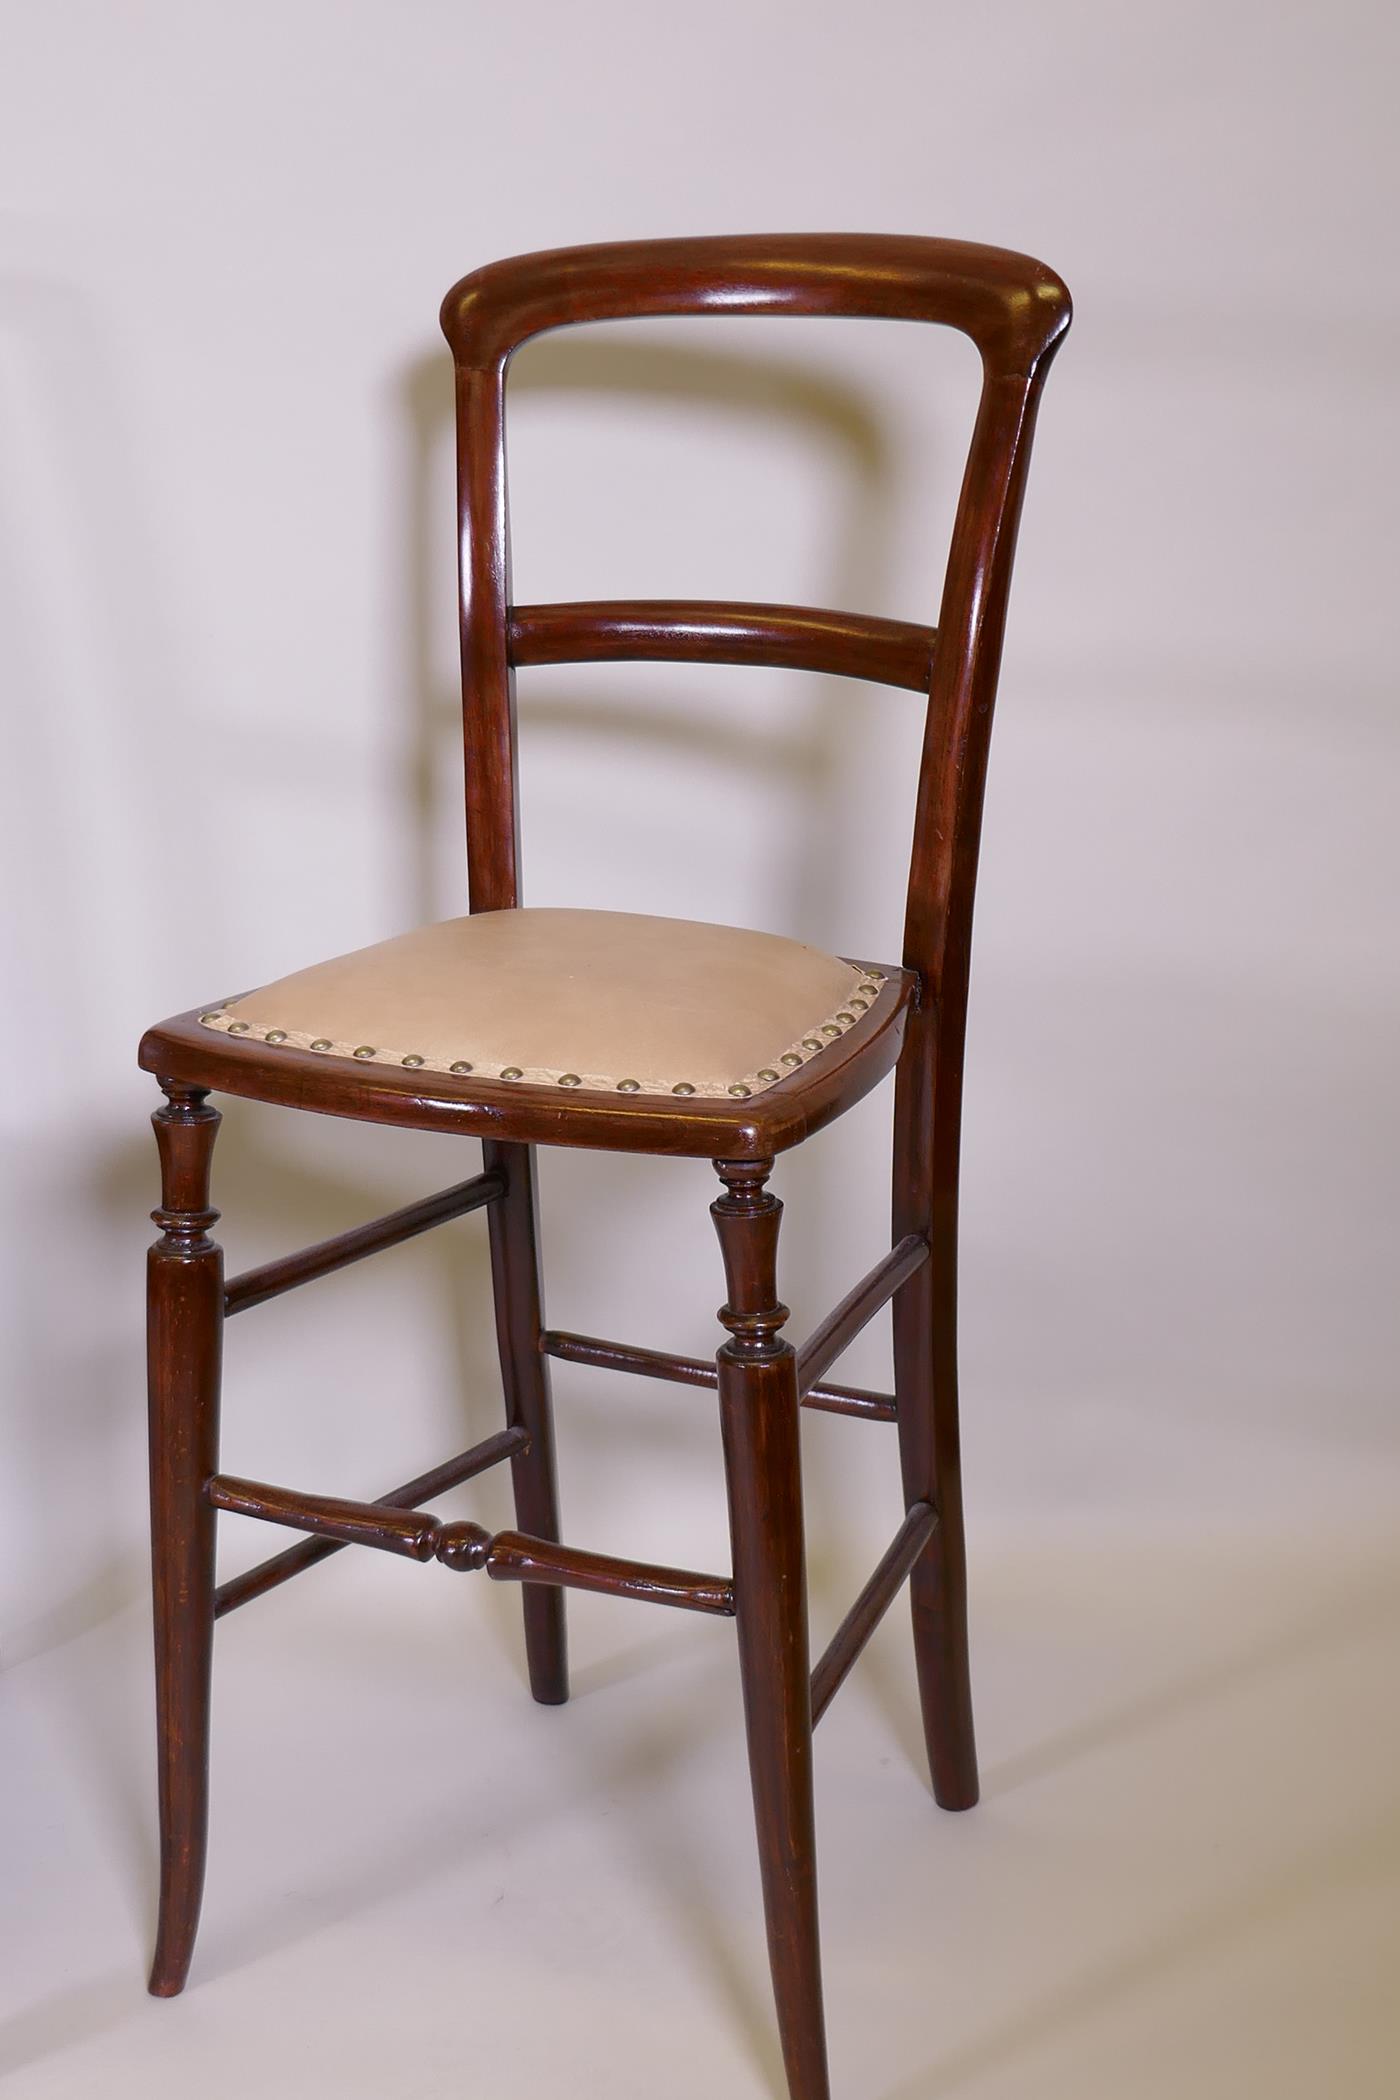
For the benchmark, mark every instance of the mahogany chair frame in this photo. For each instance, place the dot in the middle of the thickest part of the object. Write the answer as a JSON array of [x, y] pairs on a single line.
[[1016, 312]]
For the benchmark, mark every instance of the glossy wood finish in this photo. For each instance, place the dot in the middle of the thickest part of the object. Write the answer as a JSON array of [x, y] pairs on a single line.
[[925, 1315], [512, 1557], [844, 1649], [455, 1472], [256, 1286], [409, 1532], [516, 1113], [694, 1370], [1013, 307], [712, 631], [184, 1334], [506, 1556], [857, 1309], [759, 1417], [1016, 312], [515, 1282]]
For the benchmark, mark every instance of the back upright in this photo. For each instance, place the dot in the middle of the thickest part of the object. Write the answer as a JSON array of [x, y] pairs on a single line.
[[1014, 309]]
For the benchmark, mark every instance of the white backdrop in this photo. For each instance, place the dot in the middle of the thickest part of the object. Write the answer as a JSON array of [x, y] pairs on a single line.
[[226, 547]]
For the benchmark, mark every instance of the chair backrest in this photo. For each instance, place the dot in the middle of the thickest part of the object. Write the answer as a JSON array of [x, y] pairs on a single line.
[[1015, 311]]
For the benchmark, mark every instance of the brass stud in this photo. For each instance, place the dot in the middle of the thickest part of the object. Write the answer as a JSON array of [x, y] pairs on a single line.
[[365, 1050], [238, 1027], [412, 1062], [629, 1086], [811, 1042], [275, 1035], [768, 1073], [848, 1019], [322, 1042], [740, 1093], [569, 1079], [792, 1057], [871, 991], [511, 1072], [460, 1066], [860, 1005], [831, 1029], [216, 1015], [684, 1087]]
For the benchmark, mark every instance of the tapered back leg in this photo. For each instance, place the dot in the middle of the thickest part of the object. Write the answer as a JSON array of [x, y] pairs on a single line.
[[759, 1416], [515, 1277], [185, 1314], [925, 1312]]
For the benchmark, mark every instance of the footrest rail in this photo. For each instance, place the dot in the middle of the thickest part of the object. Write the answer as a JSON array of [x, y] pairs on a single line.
[[454, 1472], [511, 1556], [506, 1556]]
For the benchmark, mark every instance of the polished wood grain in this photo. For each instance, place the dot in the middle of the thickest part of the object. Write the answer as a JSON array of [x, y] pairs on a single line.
[[512, 1557], [1014, 309], [506, 1556], [517, 1113], [257, 1286], [710, 631], [1016, 312], [855, 1400], [410, 1532], [927, 1120], [844, 1649], [858, 1308], [184, 1338], [515, 1280], [759, 1417], [270, 1574]]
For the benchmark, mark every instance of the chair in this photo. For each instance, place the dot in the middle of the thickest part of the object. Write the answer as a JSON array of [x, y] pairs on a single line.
[[527, 1027]]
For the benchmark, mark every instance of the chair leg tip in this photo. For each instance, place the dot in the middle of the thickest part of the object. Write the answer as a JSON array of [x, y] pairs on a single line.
[[956, 1805], [166, 1983], [547, 1662], [956, 1796]]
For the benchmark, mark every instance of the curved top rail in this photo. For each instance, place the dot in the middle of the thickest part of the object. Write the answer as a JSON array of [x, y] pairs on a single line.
[[1012, 306]]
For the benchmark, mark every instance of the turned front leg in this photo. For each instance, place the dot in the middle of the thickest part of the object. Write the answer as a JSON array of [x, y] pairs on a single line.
[[759, 1414], [184, 1336]]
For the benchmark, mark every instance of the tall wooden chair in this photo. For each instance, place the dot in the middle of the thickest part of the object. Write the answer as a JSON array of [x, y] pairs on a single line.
[[527, 1027]]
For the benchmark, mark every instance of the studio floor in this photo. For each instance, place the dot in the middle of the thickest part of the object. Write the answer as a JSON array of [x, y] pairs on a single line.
[[1184, 1877]]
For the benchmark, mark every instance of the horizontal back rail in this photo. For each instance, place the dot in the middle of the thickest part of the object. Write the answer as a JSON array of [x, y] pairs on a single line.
[[701, 630], [1013, 309]]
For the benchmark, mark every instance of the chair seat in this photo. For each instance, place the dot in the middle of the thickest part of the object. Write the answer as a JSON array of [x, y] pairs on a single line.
[[594, 1001]]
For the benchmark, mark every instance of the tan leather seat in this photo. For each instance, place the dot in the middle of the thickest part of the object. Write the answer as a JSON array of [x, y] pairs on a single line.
[[604, 1001]]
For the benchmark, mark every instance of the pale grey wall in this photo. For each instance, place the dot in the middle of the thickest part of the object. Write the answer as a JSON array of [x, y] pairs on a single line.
[[227, 633]]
